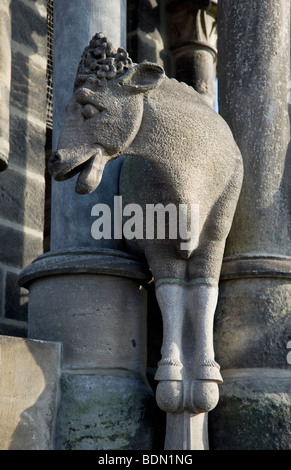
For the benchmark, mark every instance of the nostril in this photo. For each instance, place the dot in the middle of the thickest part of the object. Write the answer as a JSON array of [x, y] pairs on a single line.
[[55, 157]]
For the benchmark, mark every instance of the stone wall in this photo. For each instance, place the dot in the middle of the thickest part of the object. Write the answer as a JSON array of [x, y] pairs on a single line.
[[5, 78], [22, 184]]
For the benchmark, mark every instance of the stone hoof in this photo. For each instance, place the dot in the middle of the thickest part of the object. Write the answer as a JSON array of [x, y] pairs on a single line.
[[169, 396], [204, 396], [169, 369], [209, 370]]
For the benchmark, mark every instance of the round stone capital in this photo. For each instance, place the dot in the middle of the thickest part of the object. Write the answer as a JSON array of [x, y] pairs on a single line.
[[102, 261]]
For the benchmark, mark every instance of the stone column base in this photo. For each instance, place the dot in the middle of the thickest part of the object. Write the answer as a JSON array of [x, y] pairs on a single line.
[[95, 305], [104, 410], [253, 412]]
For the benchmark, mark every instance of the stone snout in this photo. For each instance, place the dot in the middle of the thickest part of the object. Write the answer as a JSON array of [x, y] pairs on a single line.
[[88, 161], [196, 396]]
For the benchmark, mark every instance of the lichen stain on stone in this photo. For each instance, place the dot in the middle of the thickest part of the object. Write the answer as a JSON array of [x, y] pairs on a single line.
[[107, 417]]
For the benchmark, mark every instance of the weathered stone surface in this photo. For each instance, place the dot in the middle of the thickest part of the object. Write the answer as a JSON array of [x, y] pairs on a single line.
[[27, 141], [13, 328], [5, 77], [24, 206], [29, 85], [150, 43], [29, 383], [29, 26], [71, 33], [16, 298], [109, 412], [22, 186], [192, 38], [20, 248], [253, 323], [253, 75], [4, 131], [100, 319], [253, 315], [99, 337], [72, 220], [187, 431], [5, 44], [253, 412], [2, 288]]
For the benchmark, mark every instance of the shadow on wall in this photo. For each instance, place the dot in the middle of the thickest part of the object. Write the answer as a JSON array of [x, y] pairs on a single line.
[[29, 404], [29, 393], [286, 181], [22, 184]]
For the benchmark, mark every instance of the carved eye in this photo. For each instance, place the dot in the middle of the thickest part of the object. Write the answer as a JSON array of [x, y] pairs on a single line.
[[88, 111]]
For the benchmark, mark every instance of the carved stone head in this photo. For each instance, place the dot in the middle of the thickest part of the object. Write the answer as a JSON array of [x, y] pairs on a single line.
[[104, 113]]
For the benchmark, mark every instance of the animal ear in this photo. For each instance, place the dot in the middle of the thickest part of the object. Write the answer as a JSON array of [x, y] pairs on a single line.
[[143, 77]]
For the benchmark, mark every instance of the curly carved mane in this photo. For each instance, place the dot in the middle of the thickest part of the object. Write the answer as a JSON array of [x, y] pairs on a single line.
[[101, 61]]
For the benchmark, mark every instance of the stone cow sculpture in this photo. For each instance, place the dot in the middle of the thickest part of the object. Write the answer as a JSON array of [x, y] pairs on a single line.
[[187, 157]]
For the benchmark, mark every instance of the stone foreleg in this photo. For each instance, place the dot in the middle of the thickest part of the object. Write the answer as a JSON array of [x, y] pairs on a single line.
[[188, 374]]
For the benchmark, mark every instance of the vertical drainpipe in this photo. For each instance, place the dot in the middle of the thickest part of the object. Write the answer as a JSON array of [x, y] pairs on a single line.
[[88, 294], [5, 78], [253, 319]]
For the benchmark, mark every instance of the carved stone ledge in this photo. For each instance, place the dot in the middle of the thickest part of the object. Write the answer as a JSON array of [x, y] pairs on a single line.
[[256, 266], [102, 261]]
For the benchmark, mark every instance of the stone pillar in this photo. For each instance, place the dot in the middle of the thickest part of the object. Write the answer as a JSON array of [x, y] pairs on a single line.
[[71, 219], [191, 37], [85, 293], [22, 184], [5, 78], [144, 35], [253, 322]]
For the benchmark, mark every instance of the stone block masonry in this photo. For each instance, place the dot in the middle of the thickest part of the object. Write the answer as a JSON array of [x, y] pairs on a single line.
[[22, 184], [5, 77], [29, 391]]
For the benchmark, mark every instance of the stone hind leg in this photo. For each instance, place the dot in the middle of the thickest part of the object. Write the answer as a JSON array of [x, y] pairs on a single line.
[[202, 373], [170, 295], [187, 372]]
